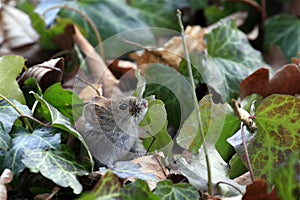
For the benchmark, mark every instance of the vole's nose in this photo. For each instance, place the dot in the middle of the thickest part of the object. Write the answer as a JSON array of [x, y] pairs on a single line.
[[145, 104]]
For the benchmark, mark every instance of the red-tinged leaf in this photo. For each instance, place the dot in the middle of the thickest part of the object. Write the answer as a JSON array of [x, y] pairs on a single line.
[[285, 81], [258, 191]]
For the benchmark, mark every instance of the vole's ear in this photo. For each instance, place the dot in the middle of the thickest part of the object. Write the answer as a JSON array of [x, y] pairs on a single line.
[[90, 112]]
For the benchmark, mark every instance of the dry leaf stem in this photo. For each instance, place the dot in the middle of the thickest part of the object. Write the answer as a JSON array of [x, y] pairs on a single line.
[[187, 57]]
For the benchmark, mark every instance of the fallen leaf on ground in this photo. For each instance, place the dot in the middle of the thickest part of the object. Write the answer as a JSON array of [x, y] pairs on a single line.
[[16, 30], [152, 165], [172, 52]]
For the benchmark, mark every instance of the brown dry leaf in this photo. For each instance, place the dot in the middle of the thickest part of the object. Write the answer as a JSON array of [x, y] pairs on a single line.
[[46, 73], [121, 67], [99, 72], [64, 41], [258, 191], [16, 30], [285, 81], [152, 165], [5, 178], [172, 52]]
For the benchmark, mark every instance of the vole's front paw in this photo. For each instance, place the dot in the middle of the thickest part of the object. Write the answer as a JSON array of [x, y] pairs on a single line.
[[140, 153], [110, 165]]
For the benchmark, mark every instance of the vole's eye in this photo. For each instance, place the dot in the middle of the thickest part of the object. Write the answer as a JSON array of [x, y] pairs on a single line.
[[123, 106]]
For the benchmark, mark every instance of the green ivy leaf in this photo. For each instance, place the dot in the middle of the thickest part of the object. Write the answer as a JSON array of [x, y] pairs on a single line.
[[8, 116], [166, 190], [157, 14], [115, 17], [59, 166], [109, 187], [196, 172], [276, 137], [41, 138], [155, 124], [138, 190], [237, 167], [65, 101], [230, 60], [10, 68], [285, 178], [218, 123], [126, 169], [277, 119], [61, 122], [288, 40], [173, 89]]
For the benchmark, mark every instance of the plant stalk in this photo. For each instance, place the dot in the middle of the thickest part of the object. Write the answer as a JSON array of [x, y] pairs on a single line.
[[187, 57], [246, 153], [18, 111]]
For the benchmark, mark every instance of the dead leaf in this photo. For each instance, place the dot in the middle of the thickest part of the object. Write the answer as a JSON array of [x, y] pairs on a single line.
[[64, 41], [98, 69], [258, 191], [121, 67], [152, 165], [285, 81], [46, 73], [172, 52], [16, 30]]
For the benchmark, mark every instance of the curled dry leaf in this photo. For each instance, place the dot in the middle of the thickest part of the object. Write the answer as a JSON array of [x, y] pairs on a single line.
[[172, 52], [5, 178], [285, 81], [46, 73]]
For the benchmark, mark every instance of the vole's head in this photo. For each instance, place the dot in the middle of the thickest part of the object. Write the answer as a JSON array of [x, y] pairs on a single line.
[[121, 112]]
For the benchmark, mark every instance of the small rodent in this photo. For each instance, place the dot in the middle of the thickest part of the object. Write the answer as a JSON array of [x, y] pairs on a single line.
[[111, 128]]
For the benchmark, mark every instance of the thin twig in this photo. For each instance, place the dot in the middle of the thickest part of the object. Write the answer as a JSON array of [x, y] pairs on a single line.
[[18, 111], [236, 188], [187, 57], [37, 121], [246, 153], [90, 22], [89, 84]]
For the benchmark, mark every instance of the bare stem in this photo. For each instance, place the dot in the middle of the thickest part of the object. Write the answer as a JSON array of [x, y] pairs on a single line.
[[246, 153], [18, 111], [89, 84], [233, 186], [90, 22], [187, 57], [37, 121]]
